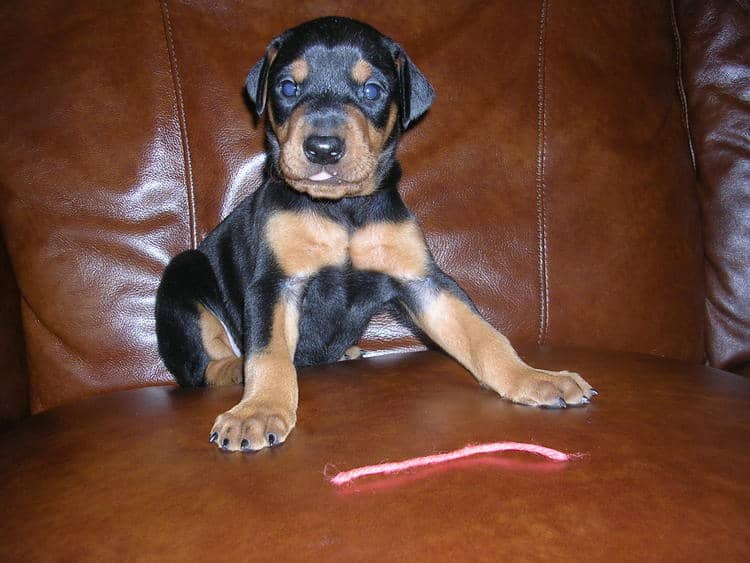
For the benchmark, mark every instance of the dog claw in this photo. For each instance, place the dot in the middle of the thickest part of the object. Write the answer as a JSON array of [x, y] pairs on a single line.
[[593, 392], [213, 437], [245, 445], [271, 439], [559, 404], [225, 443]]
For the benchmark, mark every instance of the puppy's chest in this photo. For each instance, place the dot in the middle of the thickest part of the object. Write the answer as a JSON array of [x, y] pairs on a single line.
[[305, 243]]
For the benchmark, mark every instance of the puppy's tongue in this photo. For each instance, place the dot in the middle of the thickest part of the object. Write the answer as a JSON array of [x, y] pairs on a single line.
[[321, 176]]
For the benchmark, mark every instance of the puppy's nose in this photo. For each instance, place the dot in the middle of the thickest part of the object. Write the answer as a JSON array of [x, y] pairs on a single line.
[[323, 150]]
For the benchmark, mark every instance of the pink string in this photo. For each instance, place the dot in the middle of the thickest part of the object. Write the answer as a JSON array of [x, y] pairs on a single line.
[[395, 467]]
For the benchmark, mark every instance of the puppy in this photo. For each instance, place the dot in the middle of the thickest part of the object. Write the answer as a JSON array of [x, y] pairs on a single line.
[[292, 276]]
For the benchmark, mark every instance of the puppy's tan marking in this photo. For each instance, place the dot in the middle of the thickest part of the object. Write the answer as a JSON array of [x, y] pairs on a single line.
[[395, 249], [227, 371], [225, 367], [303, 243], [352, 353], [291, 133], [378, 137], [299, 69], [466, 336], [364, 144], [361, 71], [489, 356]]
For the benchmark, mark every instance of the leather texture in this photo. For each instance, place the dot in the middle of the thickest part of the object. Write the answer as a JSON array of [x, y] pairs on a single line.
[[93, 189], [715, 38], [552, 176], [131, 476]]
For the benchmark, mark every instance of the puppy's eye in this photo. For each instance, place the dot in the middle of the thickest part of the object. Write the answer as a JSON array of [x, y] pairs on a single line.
[[289, 88], [372, 91]]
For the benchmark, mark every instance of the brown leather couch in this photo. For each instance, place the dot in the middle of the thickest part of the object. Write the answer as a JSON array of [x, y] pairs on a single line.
[[584, 174]]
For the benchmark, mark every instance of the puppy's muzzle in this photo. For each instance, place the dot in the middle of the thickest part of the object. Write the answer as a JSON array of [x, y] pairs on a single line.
[[324, 150]]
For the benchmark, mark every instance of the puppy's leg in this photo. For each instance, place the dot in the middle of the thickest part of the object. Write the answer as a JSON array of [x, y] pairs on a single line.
[[193, 342], [225, 361], [445, 313], [267, 412], [352, 353], [447, 316]]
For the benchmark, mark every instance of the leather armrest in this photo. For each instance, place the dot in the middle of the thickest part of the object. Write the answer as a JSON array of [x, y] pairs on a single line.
[[715, 37]]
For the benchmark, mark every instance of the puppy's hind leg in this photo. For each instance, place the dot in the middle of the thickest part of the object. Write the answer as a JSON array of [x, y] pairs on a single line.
[[225, 364], [352, 353], [193, 341]]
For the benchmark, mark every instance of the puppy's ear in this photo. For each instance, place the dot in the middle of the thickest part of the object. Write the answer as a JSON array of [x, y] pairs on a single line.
[[256, 82], [416, 93]]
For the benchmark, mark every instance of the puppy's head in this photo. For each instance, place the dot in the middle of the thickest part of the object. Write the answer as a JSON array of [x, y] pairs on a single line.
[[337, 93]]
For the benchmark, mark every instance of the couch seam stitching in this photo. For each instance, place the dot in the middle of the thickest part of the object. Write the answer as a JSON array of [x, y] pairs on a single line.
[[182, 119], [680, 79], [677, 44], [541, 155]]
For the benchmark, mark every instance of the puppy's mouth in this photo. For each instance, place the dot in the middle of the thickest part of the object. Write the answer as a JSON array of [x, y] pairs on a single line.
[[327, 181], [325, 185], [325, 175]]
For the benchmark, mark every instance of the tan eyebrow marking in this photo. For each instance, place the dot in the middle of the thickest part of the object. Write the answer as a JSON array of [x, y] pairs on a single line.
[[361, 71], [299, 70]]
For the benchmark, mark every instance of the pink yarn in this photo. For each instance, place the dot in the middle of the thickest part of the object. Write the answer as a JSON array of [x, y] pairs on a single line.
[[395, 467]]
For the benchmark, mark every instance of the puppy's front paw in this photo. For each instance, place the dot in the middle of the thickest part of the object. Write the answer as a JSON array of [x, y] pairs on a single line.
[[251, 426], [555, 389]]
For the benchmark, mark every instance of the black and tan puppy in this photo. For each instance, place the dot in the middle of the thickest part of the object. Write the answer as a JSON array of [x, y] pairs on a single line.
[[292, 276]]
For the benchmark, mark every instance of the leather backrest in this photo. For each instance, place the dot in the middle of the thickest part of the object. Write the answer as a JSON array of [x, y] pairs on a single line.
[[552, 175]]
